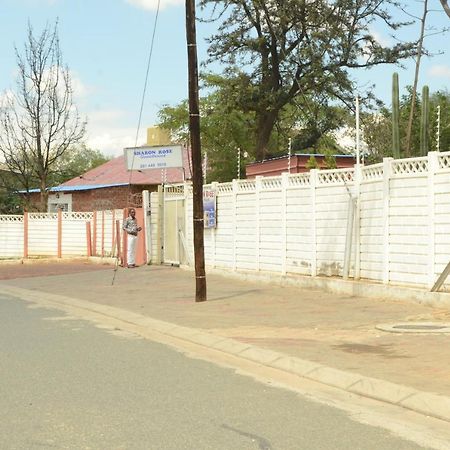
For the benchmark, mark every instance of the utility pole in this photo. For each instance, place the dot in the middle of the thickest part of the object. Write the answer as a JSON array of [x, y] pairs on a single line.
[[194, 131], [438, 129]]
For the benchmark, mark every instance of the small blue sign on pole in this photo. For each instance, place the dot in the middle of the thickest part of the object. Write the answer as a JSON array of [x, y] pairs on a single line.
[[209, 208]]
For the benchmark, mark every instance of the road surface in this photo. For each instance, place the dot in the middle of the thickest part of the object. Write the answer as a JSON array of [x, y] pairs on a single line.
[[67, 383]]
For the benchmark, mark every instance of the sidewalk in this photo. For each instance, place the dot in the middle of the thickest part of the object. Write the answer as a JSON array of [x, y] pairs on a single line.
[[335, 331]]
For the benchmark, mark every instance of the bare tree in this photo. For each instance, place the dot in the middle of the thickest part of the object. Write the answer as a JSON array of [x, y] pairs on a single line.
[[39, 121], [420, 52], [416, 77]]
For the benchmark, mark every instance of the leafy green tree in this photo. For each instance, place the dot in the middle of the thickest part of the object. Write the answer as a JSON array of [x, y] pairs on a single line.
[[280, 51], [330, 159], [377, 128], [316, 122], [312, 163], [377, 134], [76, 161], [10, 203], [224, 130], [442, 99]]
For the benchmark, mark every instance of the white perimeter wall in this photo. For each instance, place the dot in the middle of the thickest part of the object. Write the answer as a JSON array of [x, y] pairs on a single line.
[[11, 236], [43, 234], [296, 224]]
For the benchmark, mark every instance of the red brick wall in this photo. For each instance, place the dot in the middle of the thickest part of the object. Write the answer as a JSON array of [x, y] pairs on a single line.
[[107, 198], [275, 167]]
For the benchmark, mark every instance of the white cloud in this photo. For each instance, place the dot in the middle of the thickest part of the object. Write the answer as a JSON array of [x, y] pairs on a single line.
[[80, 89], [439, 71], [152, 5], [106, 117], [105, 132], [382, 40]]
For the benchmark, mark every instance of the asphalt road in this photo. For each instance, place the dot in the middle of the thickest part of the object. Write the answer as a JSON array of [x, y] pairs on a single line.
[[67, 384]]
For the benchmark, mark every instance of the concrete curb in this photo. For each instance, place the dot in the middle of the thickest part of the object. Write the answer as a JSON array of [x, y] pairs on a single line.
[[428, 403]]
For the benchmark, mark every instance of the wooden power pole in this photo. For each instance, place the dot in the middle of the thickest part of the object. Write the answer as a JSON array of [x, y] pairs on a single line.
[[194, 131]]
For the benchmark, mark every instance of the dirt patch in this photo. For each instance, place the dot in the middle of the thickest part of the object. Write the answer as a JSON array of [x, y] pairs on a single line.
[[43, 269], [385, 351]]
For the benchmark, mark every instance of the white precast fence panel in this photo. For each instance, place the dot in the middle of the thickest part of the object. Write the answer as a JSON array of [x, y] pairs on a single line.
[[441, 205], [11, 236], [270, 225], [42, 234], [46, 231], [371, 223], [333, 192], [223, 235], [155, 232], [245, 230], [73, 232], [110, 218], [106, 230], [297, 223], [409, 221]]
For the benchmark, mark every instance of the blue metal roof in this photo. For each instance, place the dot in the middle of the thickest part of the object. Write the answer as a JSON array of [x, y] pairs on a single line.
[[83, 187]]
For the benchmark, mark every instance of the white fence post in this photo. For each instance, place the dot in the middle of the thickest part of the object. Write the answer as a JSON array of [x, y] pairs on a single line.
[[433, 166], [387, 169], [257, 218], [215, 188], [147, 225], [284, 185], [313, 184], [160, 226], [357, 177], [235, 194]]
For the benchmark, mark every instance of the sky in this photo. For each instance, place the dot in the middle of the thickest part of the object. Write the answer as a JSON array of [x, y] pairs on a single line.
[[106, 45]]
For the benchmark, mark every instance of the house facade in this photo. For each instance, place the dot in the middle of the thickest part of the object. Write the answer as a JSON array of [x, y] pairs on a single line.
[[297, 163], [112, 186]]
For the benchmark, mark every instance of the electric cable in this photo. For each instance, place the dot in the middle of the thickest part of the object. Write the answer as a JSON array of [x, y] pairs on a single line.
[[144, 91]]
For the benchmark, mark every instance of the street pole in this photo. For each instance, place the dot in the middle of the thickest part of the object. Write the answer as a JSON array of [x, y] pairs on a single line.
[[357, 132], [289, 154], [438, 128], [238, 163], [197, 176]]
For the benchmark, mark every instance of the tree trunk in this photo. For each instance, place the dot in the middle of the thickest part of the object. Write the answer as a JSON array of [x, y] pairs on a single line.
[[266, 122], [43, 196], [416, 79]]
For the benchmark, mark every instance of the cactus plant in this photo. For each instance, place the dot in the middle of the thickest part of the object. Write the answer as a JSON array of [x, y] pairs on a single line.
[[395, 117], [424, 121]]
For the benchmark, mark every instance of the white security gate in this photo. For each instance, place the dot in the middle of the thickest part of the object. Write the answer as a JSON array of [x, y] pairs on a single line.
[[174, 224]]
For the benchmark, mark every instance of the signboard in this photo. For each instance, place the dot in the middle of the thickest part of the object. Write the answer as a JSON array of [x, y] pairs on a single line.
[[209, 208], [155, 157]]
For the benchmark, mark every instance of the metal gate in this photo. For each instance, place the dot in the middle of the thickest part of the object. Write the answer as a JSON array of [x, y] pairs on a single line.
[[174, 224]]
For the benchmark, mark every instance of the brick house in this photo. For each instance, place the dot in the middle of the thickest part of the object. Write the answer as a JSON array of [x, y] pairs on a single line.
[[299, 161], [111, 186]]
